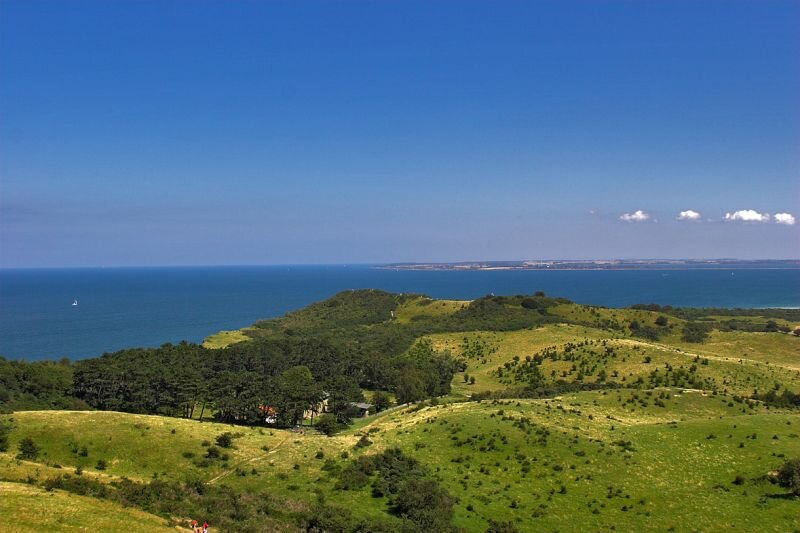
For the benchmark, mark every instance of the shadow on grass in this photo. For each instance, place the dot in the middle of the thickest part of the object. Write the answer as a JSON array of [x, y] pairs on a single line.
[[783, 496]]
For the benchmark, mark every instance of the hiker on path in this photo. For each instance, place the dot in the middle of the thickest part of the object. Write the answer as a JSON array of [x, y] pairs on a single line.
[[194, 526], [205, 527]]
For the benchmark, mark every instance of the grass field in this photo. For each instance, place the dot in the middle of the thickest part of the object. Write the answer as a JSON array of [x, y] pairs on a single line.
[[33, 510], [223, 339], [677, 446], [545, 464], [425, 307], [485, 351]]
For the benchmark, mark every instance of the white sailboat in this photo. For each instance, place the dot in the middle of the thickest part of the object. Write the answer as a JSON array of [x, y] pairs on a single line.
[[75, 301]]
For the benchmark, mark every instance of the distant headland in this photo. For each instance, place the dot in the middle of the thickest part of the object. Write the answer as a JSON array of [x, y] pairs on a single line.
[[604, 264]]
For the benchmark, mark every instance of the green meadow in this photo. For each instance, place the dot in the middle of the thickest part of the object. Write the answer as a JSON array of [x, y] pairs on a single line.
[[653, 435]]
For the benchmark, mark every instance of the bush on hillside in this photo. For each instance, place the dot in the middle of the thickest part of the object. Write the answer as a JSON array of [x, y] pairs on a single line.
[[327, 424], [426, 503], [28, 450], [501, 527], [3, 437], [695, 332], [789, 476], [225, 440]]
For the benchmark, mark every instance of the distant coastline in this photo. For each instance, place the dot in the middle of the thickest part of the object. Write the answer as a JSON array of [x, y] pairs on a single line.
[[604, 264], [124, 307]]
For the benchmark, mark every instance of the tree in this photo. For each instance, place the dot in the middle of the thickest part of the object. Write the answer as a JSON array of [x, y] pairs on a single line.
[[28, 450], [425, 503], [695, 332], [662, 321], [789, 476], [327, 424], [342, 390], [411, 386], [381, 401], [299, 392]]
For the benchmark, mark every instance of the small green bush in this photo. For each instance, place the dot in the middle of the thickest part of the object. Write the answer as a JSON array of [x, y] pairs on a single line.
[[28, 450]]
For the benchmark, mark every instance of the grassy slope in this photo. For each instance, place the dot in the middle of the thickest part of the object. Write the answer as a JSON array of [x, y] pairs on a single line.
[[33, 510], [674, 469], [507, 345], [675, 477], [418, 308], [479, 449], [223, 339], [135, 446]]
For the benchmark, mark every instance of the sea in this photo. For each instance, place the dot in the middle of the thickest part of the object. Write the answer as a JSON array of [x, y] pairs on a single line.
[[133, 307]]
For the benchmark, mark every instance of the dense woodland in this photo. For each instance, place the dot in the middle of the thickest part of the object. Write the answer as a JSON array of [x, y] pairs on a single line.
[[338, 347]]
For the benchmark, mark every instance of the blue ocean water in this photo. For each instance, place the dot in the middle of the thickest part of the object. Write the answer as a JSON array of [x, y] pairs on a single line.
[[126, 307]]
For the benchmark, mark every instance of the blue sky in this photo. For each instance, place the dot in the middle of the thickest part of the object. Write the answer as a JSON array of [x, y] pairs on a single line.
[[173, 133]]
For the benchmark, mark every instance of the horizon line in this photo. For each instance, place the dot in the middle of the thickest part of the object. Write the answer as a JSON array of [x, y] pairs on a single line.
[[388, 263]]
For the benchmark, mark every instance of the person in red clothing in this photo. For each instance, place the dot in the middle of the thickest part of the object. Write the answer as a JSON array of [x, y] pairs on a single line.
[[194, 526], [205, 527]]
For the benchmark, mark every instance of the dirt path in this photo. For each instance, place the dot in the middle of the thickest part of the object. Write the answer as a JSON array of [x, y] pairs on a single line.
[[705, 355], [248, 461]]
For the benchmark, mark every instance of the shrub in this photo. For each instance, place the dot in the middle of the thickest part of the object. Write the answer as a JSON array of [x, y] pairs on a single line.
[[695, 332], [363, 442], [3, 438], [789, 476], [381, 401], [101, 465], [425, 503], [28, 450], [224, 440], [327, 424]]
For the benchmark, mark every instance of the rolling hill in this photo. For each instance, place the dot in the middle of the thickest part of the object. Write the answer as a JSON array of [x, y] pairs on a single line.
[[559, 417]]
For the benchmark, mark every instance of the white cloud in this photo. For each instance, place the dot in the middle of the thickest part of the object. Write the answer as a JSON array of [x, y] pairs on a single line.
[[636, 216], [747, 215], [784, 218], [689, 215]]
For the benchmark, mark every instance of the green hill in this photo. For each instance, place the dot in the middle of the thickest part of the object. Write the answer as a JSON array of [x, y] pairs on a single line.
[[554, 417], [33, 510]]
